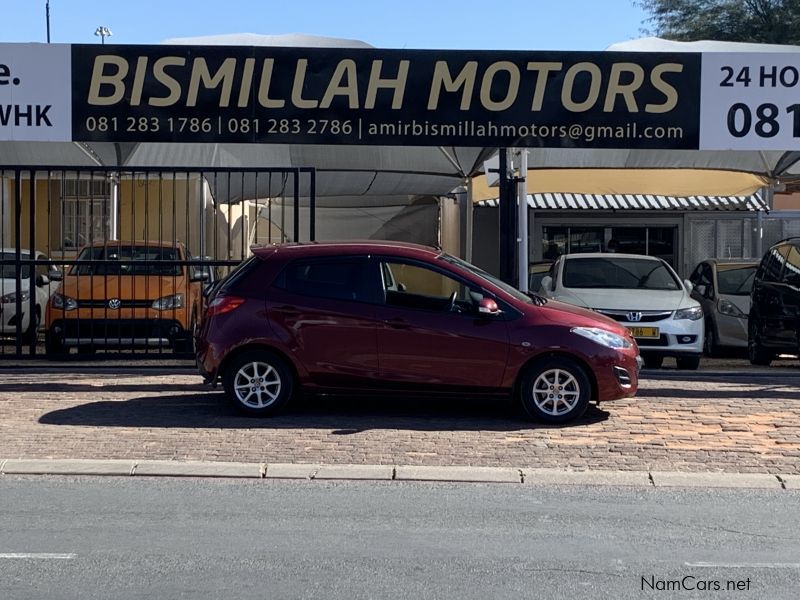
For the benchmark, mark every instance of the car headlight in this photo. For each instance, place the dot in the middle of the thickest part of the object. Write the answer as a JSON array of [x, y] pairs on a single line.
[[12, 297], [726, 307], [693, 313], [169, 302], [63, 302], [602, 337]]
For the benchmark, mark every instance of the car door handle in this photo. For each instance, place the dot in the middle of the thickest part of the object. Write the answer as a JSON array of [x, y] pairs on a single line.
[[289, 311], [397, 323]]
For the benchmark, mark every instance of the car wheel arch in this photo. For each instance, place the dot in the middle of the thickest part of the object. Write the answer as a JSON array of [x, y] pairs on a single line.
[[539, 358], [254, 346]]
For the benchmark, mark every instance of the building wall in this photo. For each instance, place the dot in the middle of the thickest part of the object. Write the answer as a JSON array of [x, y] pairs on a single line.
[[716, 234]]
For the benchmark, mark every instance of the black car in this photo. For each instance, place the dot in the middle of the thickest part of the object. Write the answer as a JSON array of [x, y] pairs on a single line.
[[774, 323]]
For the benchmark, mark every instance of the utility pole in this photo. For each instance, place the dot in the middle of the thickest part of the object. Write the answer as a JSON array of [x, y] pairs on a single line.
[[47, 18]]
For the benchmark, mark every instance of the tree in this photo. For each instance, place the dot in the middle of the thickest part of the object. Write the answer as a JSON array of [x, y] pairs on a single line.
[[761, 21]]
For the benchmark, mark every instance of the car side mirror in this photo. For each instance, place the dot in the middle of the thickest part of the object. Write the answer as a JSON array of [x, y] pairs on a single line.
[[42, 280], [688, 285], [55, 276], [547, 283], [488, 307], [199, 276]]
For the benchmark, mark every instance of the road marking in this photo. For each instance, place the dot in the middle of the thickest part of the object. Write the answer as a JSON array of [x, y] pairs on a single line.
[[744, 565], [38, 555]]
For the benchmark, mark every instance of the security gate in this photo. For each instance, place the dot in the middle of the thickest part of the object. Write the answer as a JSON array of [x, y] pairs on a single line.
[[116, 263]]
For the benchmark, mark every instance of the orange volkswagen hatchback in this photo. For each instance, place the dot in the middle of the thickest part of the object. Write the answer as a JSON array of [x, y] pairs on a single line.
[[127, 294]]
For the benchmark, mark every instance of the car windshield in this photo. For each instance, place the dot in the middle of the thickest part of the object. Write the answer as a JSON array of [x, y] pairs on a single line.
[[129, 260], [484, 275], [9, 269], [618, 273], [736, 280]]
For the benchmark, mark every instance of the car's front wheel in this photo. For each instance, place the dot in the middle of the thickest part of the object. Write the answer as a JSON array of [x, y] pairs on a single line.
[[555, 390], [29, 337], [757, 354], [185, 344], [653, 361], [259, 383], [54, 345], [710, 346], [688, 363]]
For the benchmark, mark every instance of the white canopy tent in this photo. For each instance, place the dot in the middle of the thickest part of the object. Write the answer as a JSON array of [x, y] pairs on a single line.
[[769, 164], [352, 171], [569, 170]]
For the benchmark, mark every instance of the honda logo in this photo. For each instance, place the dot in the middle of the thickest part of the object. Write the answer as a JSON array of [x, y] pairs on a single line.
[[114, 303], [634, 316]]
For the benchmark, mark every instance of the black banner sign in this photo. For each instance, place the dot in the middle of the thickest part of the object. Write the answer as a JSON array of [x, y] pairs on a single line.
[[385, 97]]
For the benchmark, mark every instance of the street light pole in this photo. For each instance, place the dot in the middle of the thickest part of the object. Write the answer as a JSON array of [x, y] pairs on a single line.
[[103, 32], [47, 18]]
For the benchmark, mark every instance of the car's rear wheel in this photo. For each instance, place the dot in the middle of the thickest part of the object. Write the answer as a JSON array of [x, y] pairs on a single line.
[[653, 361], [688, 363], [757, 354], [259, 383], [555, 390]]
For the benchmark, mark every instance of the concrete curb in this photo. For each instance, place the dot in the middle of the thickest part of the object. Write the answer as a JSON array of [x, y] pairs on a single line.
[[343, 472], [171, 468], [67, 467], [790, 482], [461, 474], [562, 477], [716, 480]]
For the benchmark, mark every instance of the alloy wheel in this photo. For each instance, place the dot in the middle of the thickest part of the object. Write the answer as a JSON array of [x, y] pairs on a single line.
[[257, 384], [556, 392]]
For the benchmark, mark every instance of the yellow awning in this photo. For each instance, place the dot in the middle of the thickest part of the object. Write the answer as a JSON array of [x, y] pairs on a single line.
[[662, 182]]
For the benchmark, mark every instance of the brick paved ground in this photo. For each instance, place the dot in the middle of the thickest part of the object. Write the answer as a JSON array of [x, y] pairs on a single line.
[[720, 424]]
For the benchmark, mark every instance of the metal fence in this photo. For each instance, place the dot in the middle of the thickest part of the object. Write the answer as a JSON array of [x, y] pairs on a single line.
[[114, 262]]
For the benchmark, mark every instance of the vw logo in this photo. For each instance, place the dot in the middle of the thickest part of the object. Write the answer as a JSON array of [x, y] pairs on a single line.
[[634, 316], [114, 303]]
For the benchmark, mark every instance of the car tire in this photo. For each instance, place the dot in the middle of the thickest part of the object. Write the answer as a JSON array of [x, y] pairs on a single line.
[[241, 383], [29, 336], [555, 390], [757, 354], [710, 345], [653, 361], [53, 346], [186, 343], [688, 363]]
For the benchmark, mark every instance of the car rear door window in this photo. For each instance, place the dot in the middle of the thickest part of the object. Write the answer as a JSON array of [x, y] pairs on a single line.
[[339, 279]]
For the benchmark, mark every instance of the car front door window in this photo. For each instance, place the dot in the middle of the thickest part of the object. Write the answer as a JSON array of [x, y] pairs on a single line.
[[416, 287]]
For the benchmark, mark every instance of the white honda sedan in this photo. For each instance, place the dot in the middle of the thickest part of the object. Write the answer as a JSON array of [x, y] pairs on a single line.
[[643, 293]]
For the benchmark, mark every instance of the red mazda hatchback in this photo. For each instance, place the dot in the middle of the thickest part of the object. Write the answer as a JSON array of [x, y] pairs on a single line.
[[396, 317]]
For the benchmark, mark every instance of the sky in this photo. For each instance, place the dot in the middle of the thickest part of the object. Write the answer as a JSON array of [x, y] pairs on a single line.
[[424, 24]]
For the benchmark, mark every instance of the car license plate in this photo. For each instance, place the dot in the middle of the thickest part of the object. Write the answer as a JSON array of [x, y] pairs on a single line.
[[644, 332]]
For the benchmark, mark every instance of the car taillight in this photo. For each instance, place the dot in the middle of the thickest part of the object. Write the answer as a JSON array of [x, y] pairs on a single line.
[[223, 304]]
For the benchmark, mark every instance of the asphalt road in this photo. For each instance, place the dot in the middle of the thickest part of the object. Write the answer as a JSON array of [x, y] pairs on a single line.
[[67, 538]]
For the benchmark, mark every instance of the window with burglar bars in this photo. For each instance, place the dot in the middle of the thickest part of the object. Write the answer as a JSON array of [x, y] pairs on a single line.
[[85, 211]]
